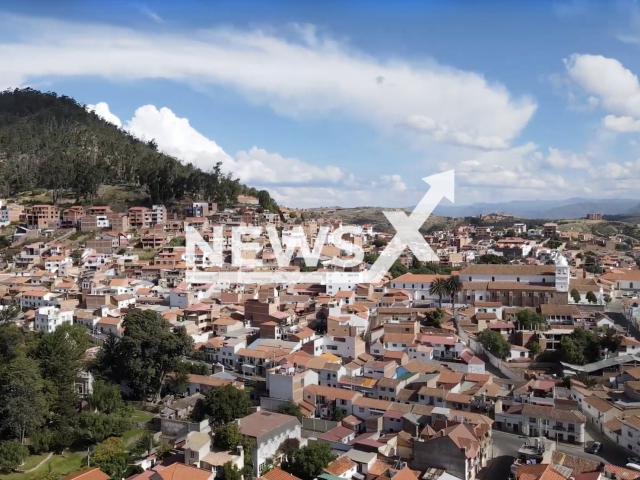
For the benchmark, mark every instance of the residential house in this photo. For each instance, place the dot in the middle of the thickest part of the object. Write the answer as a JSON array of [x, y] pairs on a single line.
[[269, 430]]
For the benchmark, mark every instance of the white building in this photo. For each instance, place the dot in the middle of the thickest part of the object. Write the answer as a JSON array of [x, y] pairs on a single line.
[[417, 285], [49, 318], [57, 263], [630, 437], [36, 299], [269, 430]]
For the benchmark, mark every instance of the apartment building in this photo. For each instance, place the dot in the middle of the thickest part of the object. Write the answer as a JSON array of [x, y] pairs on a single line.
[[48, 318], [41, 216], [143, 217], [269, 430]]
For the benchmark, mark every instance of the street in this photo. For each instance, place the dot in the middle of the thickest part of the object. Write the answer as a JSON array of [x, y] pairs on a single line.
[[506, 446]]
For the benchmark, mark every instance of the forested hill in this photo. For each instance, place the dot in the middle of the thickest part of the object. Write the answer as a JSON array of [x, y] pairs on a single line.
[[52, 142]]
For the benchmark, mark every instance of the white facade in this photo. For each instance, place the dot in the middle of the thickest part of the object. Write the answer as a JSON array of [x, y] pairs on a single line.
[[342, 346], [49, 318], [56, 263], [36, 299], [630, 437]]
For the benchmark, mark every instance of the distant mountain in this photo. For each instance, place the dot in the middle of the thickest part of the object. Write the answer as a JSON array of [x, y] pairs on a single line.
[[551, 209]]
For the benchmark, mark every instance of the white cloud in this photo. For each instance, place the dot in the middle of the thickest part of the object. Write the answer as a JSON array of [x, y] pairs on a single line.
[[621, 124], [565, 159], [615, 88], [393, 183], [314, 75], [102, 110], [289, 180], [176, 137], [443, 133]]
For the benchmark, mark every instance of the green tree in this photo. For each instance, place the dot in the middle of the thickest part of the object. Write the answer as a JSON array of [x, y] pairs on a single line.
[[145, 355], [178, 382], [289, 447], [106, 397], [580, 347], [530, 320], [163, 450], [575, 294], [24, 406], [309, 461], [144, 445], [607, 298], [293, 409], [454, 286], [92, 427], [534, 348], [337, 414], [495, 343], [12, 455], [227, 436], [491, 258], [379, 242], [10, 312], [60, 356], [433, 318], [591, 297], [439, 287], [111, 457], [223, 405], [231, 472], [76, 257], [610, 340]]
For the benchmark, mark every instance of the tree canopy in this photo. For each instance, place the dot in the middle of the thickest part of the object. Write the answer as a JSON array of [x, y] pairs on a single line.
[[223, 405], [63, 147], [145, 354], [495, 343], [309, 461], [530, 320]]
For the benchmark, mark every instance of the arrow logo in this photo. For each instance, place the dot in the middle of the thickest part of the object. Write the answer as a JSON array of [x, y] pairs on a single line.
[[407, 227]]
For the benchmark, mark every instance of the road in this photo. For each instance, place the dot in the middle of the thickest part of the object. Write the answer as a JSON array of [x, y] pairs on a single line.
[[506, 446]]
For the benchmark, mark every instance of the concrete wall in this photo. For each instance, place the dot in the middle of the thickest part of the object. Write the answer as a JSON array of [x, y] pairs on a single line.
[[439, 453]]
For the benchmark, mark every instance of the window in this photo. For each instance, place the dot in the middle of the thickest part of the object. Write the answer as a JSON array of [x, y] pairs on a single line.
[[518, 279], [532, 420], [361, 409], [493, 279]]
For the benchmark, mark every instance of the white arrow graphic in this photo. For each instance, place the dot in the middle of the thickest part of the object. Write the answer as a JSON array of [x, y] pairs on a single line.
[[407, 227]]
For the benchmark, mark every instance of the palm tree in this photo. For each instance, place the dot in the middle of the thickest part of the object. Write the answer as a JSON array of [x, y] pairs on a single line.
[[454, 286], [440, 288]]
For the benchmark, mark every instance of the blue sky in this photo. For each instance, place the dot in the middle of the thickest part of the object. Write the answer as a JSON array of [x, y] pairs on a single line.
[[353, 102]]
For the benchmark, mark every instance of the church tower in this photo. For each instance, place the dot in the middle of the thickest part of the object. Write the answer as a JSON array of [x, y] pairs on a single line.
[[562, 273]]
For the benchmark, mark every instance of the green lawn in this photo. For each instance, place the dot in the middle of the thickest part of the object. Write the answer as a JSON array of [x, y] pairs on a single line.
[[71, 462], [142, 416], [130, 434]]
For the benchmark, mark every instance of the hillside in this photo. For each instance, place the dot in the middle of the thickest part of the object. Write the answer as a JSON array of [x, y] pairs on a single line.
[[374, 217], [53, 143]]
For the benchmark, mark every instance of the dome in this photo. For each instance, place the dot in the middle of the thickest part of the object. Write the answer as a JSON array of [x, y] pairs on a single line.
[[561, 261]]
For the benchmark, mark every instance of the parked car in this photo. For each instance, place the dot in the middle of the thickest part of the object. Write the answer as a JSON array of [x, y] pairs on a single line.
[[595, 448]]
